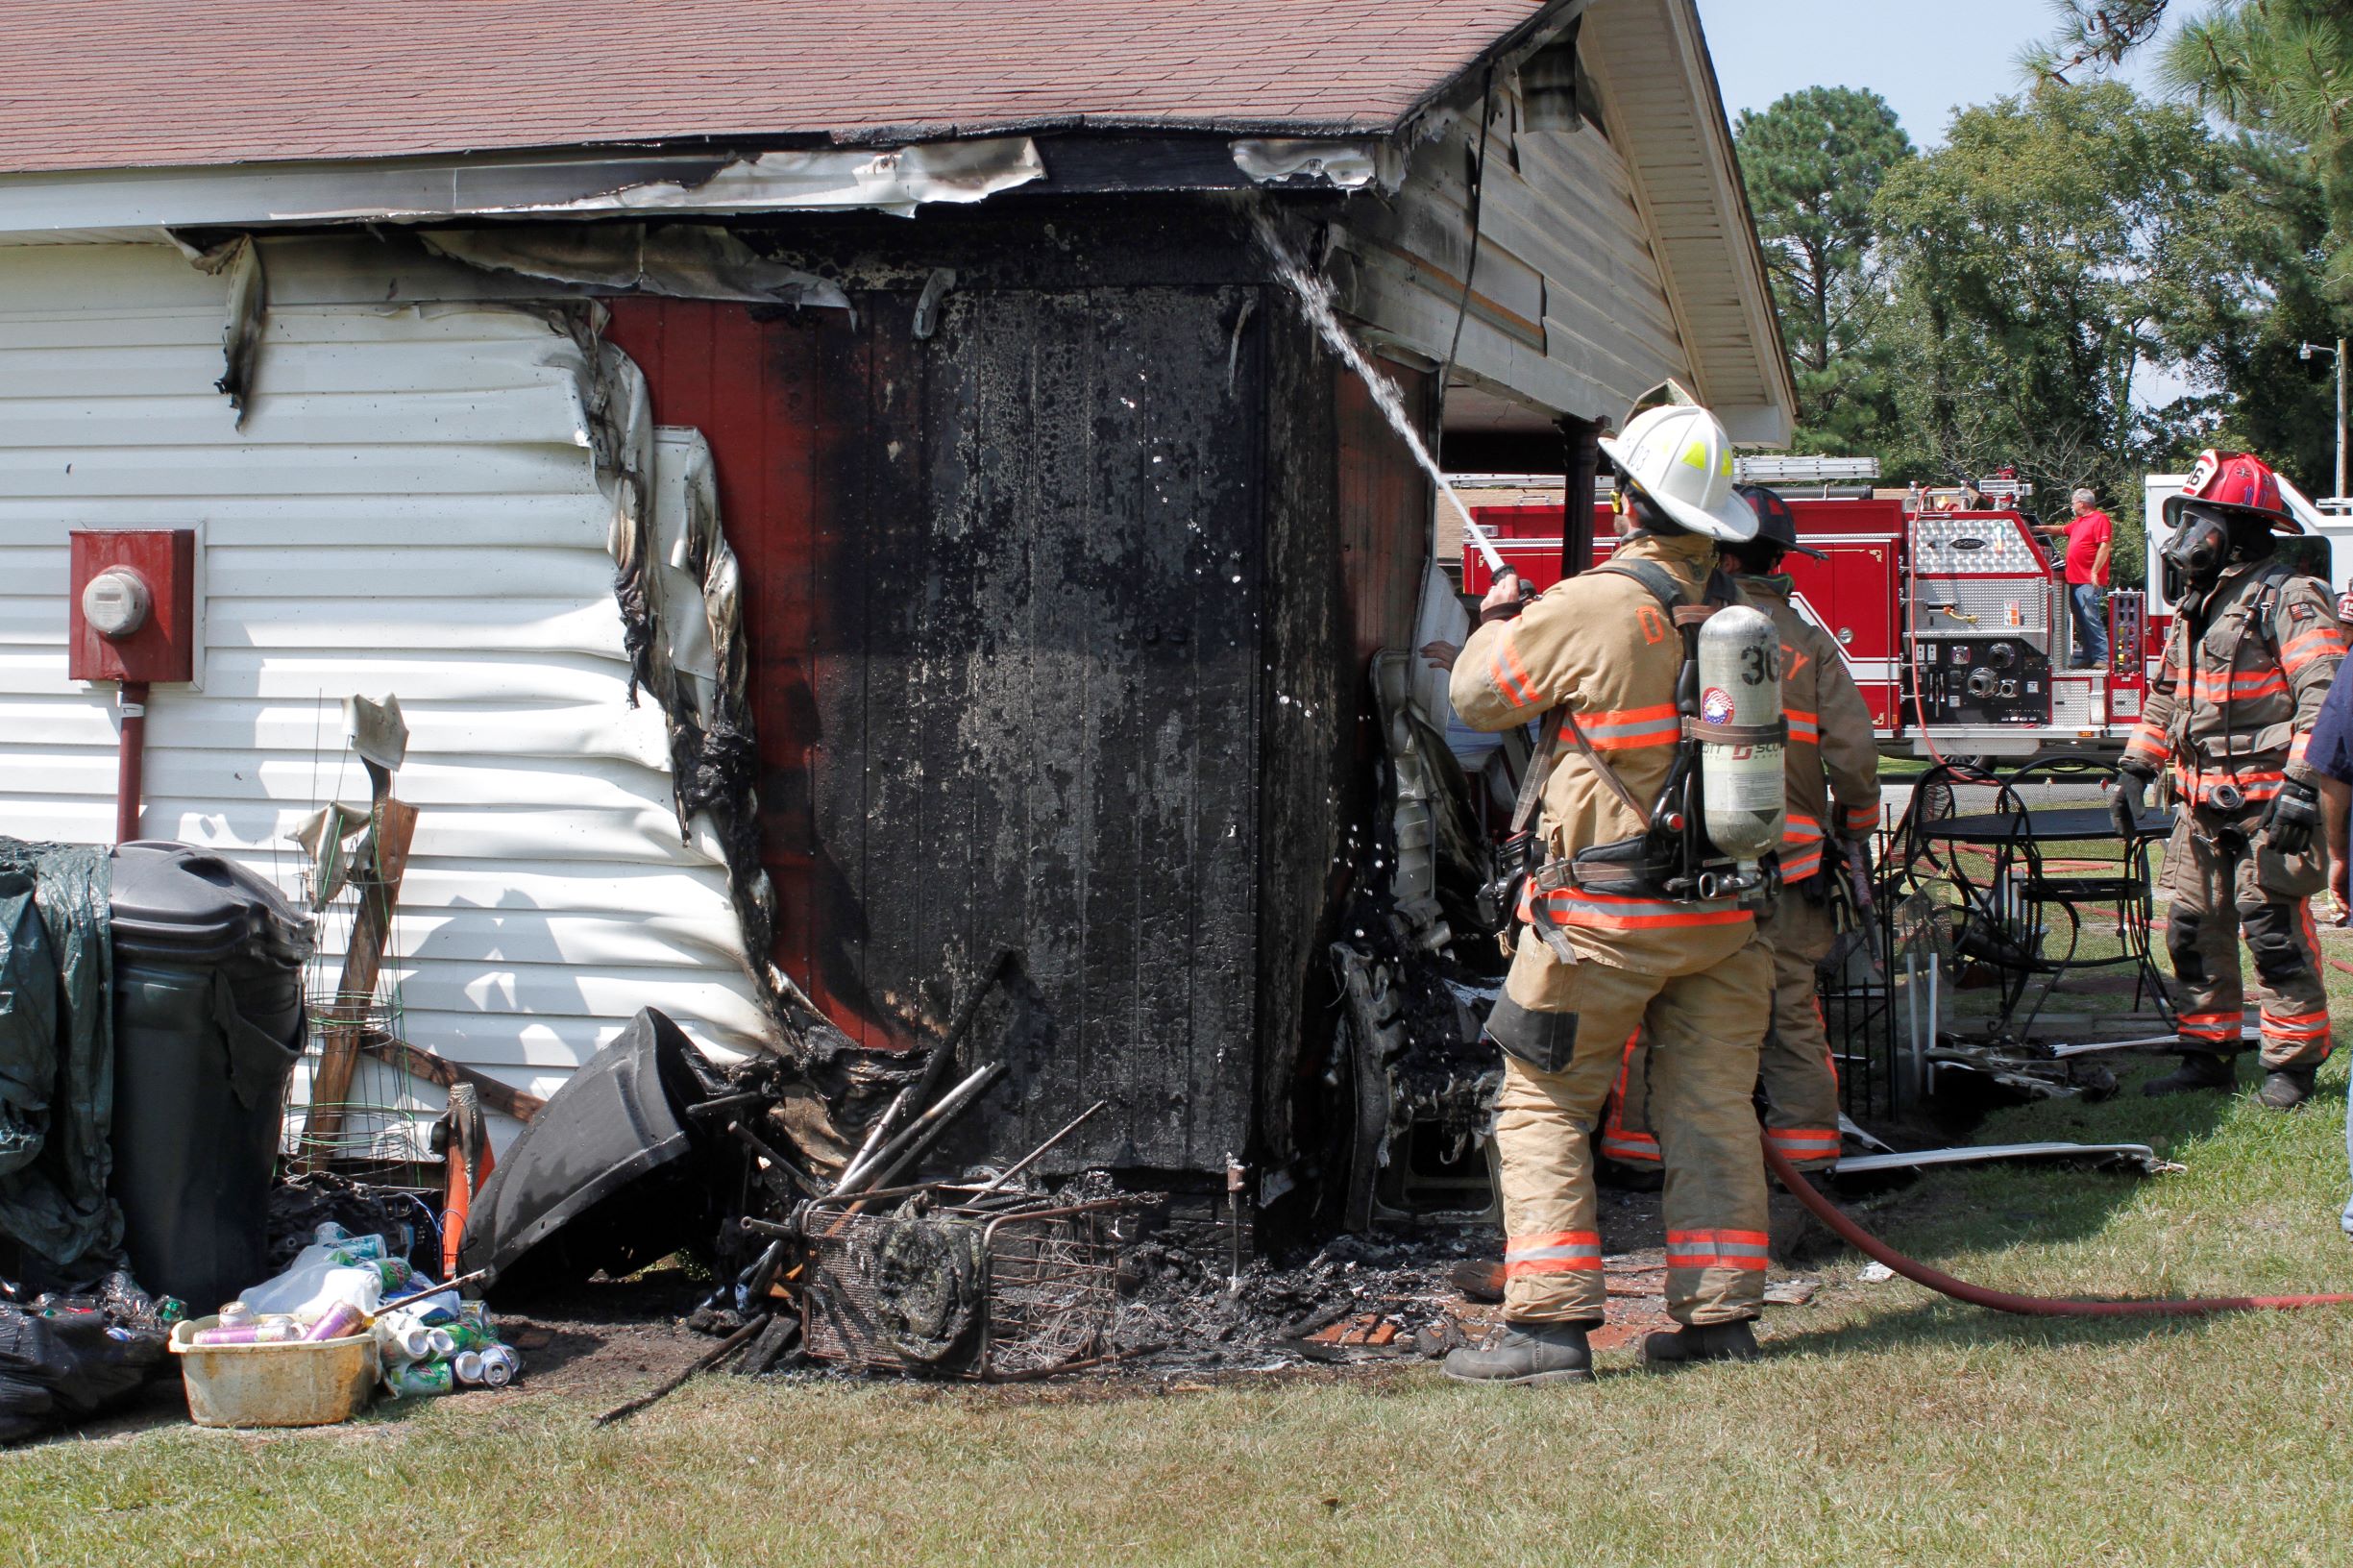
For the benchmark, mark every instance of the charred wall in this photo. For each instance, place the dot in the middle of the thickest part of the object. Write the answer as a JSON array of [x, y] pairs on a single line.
[[1002, 577], [1063, 551]]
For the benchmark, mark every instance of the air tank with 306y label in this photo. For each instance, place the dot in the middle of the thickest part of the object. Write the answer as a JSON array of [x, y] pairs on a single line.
[[1740, 690]]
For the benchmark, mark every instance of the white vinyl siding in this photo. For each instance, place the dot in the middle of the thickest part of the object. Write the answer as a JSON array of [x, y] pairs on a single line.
[[412, 507]]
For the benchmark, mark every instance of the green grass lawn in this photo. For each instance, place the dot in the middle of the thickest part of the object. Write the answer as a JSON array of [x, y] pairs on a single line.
[[1886, 1426]]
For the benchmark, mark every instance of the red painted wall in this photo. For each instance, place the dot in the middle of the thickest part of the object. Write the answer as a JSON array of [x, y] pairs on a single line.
[[1385, 502], [756, 392]]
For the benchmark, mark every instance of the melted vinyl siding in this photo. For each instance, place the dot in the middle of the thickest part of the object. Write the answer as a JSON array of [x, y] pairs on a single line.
[[411, 508], [1569, 308]]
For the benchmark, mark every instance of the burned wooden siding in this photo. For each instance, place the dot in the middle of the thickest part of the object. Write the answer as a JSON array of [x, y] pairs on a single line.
[[1384, 510], [1002, 588]]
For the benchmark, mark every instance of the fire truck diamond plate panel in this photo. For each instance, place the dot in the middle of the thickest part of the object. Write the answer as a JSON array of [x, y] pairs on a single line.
[[1972, 547], [1983, 608]]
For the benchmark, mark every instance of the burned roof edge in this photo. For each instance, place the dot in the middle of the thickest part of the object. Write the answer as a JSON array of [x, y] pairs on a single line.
[[420, 184]]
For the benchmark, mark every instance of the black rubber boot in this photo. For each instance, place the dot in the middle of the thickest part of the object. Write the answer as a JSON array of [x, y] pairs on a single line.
[[1733, 1341], [2286, 1088], [1526, 1352], [2199, 1071]]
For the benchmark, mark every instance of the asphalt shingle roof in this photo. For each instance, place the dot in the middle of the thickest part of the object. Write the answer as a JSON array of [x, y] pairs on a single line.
[[108, 84]]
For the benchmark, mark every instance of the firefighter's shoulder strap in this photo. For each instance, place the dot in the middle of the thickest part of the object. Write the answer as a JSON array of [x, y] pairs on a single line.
[[1539, 769], [1718, 592], [1662, 586], [2269, 579]]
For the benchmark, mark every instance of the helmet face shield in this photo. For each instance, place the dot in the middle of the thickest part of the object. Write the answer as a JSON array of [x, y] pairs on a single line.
[[2194, 556]]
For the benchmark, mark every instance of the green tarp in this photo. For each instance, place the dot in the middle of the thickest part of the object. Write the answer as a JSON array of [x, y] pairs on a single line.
[[57, 1063]]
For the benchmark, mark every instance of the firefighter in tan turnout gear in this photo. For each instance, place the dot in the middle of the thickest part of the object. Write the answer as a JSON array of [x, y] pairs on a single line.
[[2253, 648], [1833, 793], [1615, 934]]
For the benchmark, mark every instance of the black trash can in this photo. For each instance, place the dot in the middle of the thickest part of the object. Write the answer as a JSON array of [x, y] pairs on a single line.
[[208, 1026]]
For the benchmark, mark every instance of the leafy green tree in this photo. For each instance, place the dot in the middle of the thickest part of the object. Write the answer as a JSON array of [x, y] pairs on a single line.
[[2059, 250], [2281, 73], [2282, 70], [1813, 163]]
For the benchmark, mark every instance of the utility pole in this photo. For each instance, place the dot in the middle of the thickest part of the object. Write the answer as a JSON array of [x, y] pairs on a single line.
[[2305, 351]]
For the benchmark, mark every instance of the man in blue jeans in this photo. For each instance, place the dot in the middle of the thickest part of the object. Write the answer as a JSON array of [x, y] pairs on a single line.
[[2330, 753], [2089, 537]]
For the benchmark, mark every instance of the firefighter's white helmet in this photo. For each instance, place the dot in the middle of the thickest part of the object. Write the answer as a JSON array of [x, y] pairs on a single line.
[[1681, 458]]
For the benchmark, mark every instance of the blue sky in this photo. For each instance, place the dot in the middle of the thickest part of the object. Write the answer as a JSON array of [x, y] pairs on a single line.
[[1928, 58]]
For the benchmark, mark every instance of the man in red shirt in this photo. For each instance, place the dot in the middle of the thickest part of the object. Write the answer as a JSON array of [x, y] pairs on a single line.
[[2087, 539]]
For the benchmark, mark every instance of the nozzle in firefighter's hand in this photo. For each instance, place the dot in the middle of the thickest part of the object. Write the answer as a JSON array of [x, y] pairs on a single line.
[[1507, 590], [1856, 861], [2131, 798], [2296, 811]]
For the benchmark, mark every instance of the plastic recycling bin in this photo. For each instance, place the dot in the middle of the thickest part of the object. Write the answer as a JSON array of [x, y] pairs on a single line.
[[207, 1027]]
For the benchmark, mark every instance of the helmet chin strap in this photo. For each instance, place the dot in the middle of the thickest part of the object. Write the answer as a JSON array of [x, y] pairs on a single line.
[[1648, 518]]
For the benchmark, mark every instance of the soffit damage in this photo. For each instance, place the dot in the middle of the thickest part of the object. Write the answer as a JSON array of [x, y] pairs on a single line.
[[687, 262], [895, 180]]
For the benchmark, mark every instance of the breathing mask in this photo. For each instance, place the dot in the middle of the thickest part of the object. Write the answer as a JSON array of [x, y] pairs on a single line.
[[2194, 556]]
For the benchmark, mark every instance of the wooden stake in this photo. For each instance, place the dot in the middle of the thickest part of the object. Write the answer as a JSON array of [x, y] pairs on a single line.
[[379, 894], [419, 1063]]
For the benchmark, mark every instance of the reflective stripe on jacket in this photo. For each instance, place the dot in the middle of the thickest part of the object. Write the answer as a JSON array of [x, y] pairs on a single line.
[[1832, 748], [1601, 644], [2241, 710]]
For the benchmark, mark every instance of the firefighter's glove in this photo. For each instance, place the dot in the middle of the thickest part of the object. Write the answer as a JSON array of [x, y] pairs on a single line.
[[2296, 811], [2130, 799]]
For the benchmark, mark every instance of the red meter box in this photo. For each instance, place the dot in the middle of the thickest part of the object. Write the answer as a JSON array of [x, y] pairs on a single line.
[[131, 605]]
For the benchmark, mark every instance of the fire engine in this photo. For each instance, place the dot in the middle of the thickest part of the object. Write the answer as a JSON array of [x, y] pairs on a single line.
[[1950, 610]]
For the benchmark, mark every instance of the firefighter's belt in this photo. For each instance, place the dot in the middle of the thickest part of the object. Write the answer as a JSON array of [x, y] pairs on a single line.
[[1775, 733], [1613, 870]]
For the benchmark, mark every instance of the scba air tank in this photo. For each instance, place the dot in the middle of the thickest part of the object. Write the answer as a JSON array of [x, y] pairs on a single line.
[[1740, 695]]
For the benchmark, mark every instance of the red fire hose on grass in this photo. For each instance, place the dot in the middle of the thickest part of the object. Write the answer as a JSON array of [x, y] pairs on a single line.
[[2004, 1301]]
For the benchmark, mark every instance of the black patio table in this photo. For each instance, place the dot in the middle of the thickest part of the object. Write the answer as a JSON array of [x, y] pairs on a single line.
[[2015, 904], [2051, 824]]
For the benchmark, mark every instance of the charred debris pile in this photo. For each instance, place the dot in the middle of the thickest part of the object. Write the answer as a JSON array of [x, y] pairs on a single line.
[[848, 1224], [856, 1263]]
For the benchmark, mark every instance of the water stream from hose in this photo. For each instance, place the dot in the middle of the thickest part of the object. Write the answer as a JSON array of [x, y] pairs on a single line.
[[1314, 298]]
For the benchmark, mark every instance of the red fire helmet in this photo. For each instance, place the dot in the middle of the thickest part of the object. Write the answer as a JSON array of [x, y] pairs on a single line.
[[2234, 481]]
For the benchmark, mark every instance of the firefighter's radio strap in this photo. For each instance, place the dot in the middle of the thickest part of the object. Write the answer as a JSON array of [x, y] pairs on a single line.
[[1540, 771]]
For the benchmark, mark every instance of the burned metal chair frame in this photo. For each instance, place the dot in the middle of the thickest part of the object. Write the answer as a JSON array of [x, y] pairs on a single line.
[[2006, 912], [1051, 1295]]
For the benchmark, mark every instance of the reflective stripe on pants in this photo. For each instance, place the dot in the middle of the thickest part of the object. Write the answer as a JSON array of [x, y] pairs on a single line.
[[1699, 1071], [2219, 895]]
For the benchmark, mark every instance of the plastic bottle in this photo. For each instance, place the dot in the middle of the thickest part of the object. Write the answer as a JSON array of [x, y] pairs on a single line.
[[276, 1329]]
